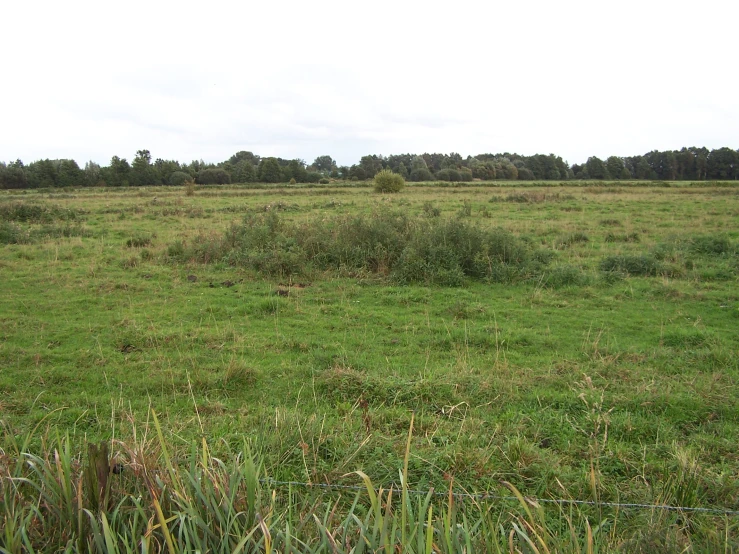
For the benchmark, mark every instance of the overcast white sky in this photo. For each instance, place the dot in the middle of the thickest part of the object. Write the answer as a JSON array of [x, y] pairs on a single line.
[[297, 79]]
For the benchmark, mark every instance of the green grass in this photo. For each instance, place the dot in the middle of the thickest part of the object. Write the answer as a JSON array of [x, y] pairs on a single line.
[[608, 369]]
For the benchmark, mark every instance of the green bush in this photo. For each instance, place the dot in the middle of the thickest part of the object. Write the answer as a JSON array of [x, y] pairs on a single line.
[[421, 174], [632, 265], [387, 181], [324, 181], [213, 176], [407, 250], [179, 178], [10, 233]]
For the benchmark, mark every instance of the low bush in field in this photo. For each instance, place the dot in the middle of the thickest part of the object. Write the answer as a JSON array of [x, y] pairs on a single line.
[[11, 233], [646, 265], [35, 213], [625, 237], [387, 181], [572, 238], [408, 250]]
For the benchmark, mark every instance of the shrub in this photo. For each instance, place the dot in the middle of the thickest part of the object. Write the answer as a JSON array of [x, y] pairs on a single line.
[[448, 174], [573, 238], [189, 187], [293, 181], [711, 245], [387, 181], [430, 210], [427, 250], [10, 233], [324, 181], [631, 265], [421, 174], [139, 241], [179, 178], [213, 176], [565, 276]]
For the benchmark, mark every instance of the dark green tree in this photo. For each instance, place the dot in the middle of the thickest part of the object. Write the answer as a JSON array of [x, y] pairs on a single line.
[[596, 168], [324, 163], [93, 174], [142, 172], [70, 174], [269, 171], [244, 172], [614, 165], [213, 176], [723, 164]]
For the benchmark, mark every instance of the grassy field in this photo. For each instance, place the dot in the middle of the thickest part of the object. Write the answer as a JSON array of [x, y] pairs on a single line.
[[601, 364]]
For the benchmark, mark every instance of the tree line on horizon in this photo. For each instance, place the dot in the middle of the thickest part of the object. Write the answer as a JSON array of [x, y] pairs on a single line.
[[245, 167]]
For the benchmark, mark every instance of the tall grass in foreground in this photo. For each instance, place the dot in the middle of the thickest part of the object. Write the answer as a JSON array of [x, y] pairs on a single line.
[[140, 500]]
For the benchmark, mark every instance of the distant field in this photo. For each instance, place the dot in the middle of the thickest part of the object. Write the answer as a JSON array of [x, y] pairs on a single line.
[[606, 366]]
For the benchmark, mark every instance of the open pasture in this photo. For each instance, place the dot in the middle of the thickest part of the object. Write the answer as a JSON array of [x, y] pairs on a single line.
[[604, 366]]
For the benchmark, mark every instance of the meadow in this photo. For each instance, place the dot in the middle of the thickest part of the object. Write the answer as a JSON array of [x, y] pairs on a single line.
[[581, 344]]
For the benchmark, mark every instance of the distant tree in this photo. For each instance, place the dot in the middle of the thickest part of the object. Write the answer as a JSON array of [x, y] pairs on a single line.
[[295, 170], [419, 163], [244, 172], [70, 174], [625, 174], [163, 170], [142, 172], [269, 171], [179, 178], [421, 174], [402, 171], [596, 168], [371, 165], [465, 173], [42, 174], [723, 164], [504, 169], [642, 169], [213, 176], [448, 174], [244, 156], [525, 174], [93, 174], [357, 172], [483, 170], [117, 174], [614, 165], [13, 176], [324, 163]]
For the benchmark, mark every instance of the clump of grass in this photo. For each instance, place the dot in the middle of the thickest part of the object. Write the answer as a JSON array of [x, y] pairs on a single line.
[[126, 497], [712, 245], [610, 222], [388, 244], [139, 241], [625, 237], [645, 265], [238, 375], [36, 213], [11, 233], [189, 187], [565, 276], [577, 237], [430, 210]]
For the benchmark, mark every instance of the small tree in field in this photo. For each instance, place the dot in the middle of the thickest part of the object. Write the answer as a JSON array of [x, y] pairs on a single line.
[[387, 181]]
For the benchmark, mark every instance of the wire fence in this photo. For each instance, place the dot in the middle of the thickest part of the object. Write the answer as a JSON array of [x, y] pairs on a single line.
[[493, 496]]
